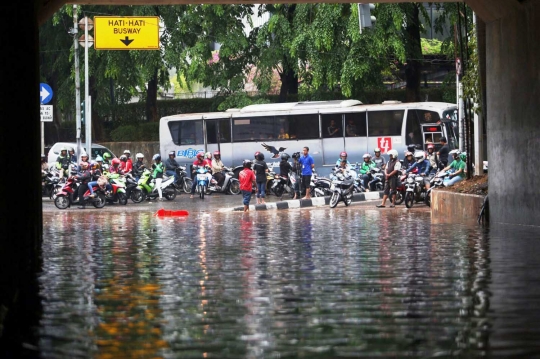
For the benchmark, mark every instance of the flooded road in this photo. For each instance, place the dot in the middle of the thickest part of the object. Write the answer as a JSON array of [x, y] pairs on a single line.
[[310, 283]]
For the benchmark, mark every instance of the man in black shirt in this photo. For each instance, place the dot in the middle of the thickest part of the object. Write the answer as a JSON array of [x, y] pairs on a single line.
[[443, 153]]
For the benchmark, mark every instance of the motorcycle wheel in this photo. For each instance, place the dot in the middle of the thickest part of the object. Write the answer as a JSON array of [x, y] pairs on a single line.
[[409, 199], [202, 190], [234, 187], [427, 199], [122, 199], [137, 195], [170, 193], [61, 202], [99, 200], [278, 191], [379, 187], [348, 199], [400, 196], [187, 185], [334, 200]]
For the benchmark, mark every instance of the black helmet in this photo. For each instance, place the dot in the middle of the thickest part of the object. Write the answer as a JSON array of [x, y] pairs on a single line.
[[411, 148], [285, 156], [296, 155], [157, 157], [260, 156], [247, 163]]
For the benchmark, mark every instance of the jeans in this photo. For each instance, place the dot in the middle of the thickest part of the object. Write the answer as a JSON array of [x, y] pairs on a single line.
[[94, 183], [452, 181], [365, 179], [246, 197], [172, 173], [261, 189]]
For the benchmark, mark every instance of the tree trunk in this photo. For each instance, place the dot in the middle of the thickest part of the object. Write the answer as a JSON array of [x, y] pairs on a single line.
[[151, 99], [413, 68], [289, 84]]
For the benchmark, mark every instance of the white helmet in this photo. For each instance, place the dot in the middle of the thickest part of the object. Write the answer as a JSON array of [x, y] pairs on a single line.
[[377, 150], [393, 153], [366, 155], [139, 155], [127, 152], [419, 156]]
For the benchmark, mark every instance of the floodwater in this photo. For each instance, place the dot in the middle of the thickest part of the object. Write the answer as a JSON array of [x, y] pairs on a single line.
[[317, 283]]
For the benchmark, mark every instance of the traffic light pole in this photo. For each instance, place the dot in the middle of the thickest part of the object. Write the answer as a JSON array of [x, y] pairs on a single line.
[[77, 86]]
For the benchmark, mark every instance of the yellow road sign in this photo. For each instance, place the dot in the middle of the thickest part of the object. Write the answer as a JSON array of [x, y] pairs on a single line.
[[126, 32]]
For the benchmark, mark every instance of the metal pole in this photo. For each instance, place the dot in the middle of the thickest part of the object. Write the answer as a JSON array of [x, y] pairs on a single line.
[[43, 138], [77, 85], [87, 115], [359, 18]]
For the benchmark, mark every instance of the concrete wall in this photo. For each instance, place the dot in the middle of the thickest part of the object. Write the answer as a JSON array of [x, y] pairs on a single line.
[[513, 126], [450, 207], [148, 149]]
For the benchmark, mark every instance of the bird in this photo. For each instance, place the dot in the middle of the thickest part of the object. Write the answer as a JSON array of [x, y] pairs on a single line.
[[273, 150]]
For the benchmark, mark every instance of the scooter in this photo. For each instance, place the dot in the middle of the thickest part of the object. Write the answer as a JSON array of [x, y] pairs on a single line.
[[283, 184], [435, 182], [118, 193], [320, 186], [203, 180], [184, 182], [146, 188], [342, 189], [68, 195], [416, 190], [230, 184]]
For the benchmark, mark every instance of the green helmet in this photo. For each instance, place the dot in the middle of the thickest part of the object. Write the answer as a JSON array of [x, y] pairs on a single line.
[[107, 155], [463, 156]]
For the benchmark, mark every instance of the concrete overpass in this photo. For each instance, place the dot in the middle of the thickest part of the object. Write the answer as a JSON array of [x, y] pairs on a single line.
[[512, 29]]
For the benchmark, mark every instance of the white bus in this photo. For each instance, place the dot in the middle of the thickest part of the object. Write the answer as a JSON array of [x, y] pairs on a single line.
[[326, 127]]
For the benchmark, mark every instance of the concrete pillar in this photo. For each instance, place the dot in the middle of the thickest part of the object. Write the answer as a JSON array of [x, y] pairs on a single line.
[[20, 181], [513, 123]]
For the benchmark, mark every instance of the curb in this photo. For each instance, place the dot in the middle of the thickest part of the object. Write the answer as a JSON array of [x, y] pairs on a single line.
[[302, 203]]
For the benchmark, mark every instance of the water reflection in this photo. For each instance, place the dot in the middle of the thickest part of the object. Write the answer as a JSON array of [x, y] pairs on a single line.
[[317, 284]]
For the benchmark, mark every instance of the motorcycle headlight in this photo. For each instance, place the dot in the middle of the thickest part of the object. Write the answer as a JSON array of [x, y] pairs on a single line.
[[410, 180]]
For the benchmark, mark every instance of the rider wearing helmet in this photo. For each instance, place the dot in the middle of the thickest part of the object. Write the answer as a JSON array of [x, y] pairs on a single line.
[[158, 174], [342, 156], [409, 160], [284, 166], [422, 165], [171, 165], [458, 165], [246, 177], [217, 168], [115, 166], [139, 166], [62, 162], [260, 168], [129, 162], [107, 158], [83, 177], [431, 156], [378, 159], [365, 170], [199, 162], [391, 172], [123, 161], [72, 155]]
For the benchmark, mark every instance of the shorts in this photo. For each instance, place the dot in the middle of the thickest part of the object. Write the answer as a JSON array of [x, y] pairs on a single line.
[[306, 181], [246, 197], [390, 185]]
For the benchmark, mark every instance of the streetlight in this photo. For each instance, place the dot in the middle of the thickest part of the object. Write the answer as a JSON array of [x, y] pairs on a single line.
[[87, 41]]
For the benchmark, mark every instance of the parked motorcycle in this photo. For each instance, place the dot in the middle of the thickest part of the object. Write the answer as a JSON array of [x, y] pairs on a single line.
[[320, 186], [230, 184], [131, 184], [68, 196], [283, 184], [146, 188], [377, 177], [50, 184], [341, 189], [435, 182]]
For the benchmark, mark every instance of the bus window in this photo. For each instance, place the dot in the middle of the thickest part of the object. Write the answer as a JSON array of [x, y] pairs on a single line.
[[303, 127], [452, 128], [427, 117], [355, 124], [385, 123], [186, 132], [253, 129], [332, 125], [412, 129], [212, 131]]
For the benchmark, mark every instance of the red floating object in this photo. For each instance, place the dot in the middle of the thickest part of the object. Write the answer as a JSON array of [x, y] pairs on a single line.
[[167, 213]]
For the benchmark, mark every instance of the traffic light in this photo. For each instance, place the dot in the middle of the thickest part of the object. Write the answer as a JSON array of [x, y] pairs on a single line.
[[82, 112], [364, 15]]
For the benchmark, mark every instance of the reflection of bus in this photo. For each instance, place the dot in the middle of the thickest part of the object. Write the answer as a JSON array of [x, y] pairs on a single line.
[[326, 127]]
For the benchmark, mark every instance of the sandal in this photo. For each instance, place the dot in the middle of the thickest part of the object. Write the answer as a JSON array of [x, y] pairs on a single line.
[[392, 206], [380, 206]]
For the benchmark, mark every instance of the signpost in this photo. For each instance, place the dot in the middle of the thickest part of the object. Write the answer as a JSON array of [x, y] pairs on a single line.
[[126, 32], [46, 112]]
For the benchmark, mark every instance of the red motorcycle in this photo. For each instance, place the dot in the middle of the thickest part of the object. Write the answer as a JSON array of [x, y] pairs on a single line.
[[401, 188], [67, 196]]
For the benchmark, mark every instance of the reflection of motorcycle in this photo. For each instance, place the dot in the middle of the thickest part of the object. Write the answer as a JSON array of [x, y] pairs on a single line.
[[341, 188], [230, 184]]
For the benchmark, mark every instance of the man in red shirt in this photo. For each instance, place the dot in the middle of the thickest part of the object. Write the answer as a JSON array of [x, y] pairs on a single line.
[[247, 180]]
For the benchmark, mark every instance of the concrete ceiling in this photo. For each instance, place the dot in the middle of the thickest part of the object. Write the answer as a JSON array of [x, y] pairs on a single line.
[[487, 10]]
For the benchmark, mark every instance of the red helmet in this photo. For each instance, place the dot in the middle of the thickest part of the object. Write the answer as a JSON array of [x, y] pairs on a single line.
[[343, 154], [256, 154], [200, 156], [115, 161], [216, 153]]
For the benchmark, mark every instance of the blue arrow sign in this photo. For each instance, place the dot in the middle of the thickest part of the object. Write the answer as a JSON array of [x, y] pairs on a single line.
[[45, 93]]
